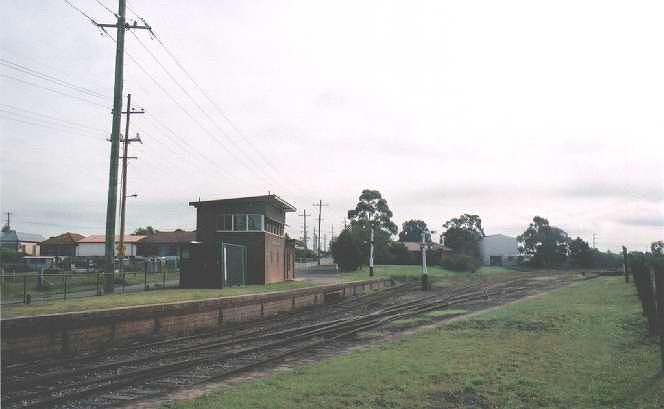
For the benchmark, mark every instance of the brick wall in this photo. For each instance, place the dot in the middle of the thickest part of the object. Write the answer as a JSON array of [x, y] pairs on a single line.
[[39, 336]]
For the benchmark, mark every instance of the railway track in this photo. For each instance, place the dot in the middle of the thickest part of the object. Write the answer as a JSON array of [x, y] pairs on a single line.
[[161, 372], [155, 369]]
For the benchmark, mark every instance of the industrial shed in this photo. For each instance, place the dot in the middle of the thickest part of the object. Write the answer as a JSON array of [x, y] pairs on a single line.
[[499, 250], [240, 241]]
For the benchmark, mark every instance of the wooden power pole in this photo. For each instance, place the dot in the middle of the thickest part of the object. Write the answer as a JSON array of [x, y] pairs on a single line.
[[320, 212]]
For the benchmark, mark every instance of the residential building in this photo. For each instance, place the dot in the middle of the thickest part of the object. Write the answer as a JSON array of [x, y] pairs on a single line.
[[167, 243], [499, 250], [26, 243], [63, 245], [240, 241], [94, 246]]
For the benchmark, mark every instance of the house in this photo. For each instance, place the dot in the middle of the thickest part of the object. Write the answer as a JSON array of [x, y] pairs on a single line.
[[240, 241], [26, 243], [166, 243], [435, 252], [499, 250], [94, 246], [63, 245]]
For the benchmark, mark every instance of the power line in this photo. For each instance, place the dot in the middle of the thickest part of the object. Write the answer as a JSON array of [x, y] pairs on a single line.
[[205, 94], [43, 125], [50, 78], [53, 90], [173, 99], [53, 118], [256, 169]]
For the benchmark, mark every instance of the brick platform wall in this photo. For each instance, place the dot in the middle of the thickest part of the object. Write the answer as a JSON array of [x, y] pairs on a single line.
[[71, 333]]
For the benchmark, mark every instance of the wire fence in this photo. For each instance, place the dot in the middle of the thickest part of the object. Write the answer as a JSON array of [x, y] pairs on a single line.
[[37, 287]]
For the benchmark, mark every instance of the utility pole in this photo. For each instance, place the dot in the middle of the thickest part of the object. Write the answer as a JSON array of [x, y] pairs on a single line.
[[125, 158], [320, 211], [594, 239], [304, 214], [109, 250], [324, 241], [9, 215]]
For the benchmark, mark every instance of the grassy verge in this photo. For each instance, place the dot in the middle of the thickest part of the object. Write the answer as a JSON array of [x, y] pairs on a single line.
[[141, 298], [435, 273], [579, 347]]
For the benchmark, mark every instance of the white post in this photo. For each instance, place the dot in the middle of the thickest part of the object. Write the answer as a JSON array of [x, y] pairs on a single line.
[[371, 252], [424, 253]]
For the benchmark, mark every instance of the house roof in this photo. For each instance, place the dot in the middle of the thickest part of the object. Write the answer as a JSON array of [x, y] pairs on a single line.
[[416, 246], [13, 235], [63, 239], [169, 237], [498, 235], [272, 199], [100, 238]]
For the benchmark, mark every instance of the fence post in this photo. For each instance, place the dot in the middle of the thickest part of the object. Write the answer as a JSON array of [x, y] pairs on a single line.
[[98, 292], [624, 251], [65, 276], [659, 294], [146, 276], [25, 289]]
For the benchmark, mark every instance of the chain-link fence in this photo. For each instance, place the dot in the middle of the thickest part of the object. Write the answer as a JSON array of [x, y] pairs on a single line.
[[41, 287]]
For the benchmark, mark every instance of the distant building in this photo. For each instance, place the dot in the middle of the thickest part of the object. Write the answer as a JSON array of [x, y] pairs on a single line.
[[63, 245], [27, 243], [240, 241], [94, 246], [166, 243], [499, 250]]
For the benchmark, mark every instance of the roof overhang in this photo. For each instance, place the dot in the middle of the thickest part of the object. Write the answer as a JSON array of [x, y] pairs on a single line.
[[272, 199]]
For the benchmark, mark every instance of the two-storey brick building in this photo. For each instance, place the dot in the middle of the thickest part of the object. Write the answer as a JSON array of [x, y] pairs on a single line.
[[240, 241]]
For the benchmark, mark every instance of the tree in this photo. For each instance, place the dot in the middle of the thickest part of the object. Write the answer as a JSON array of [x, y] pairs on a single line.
[[145, 231], [373, 209], [463, 234], [6, 228], [546, 244], [657, 248], [372, 213], [412, 231], [580, 253], [346, 251]]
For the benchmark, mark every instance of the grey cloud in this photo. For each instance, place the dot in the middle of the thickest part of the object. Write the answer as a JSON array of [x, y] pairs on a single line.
[[651, 193], [645, 221]]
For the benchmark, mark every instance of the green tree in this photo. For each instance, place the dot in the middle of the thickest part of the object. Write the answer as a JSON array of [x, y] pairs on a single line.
[[145, 231], [463, 234], [548, 245], [412, 231], [346, 251], [6, 228], [372, 212], [580, 253], [657, 248]]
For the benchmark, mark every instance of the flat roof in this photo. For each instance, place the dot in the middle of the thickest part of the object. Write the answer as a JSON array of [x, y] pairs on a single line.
[[272, 199]]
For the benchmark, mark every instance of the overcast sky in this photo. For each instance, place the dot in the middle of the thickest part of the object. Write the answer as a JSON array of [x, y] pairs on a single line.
[[507, 109]]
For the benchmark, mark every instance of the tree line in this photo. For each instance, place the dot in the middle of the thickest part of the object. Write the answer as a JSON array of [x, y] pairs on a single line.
[[542, 244]]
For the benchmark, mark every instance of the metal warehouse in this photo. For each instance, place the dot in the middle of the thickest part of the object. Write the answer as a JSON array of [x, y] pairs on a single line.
[[240, 241]]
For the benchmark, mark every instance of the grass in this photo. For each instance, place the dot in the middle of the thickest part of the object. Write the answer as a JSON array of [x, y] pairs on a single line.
[[435, 273], [142, 298], [579, 347]]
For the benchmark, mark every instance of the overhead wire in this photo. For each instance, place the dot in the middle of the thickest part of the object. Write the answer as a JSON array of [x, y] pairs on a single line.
[[53, 90], [50, 78], [52, 118]]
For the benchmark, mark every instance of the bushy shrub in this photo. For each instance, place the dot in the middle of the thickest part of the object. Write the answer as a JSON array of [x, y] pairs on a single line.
[[346, 252], [461, 263]]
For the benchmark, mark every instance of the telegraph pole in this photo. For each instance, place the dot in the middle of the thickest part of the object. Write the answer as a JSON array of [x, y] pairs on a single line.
[[9, 215], [594, 240], [304, 214], [320, 212], [125, 157], [109, 250]]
